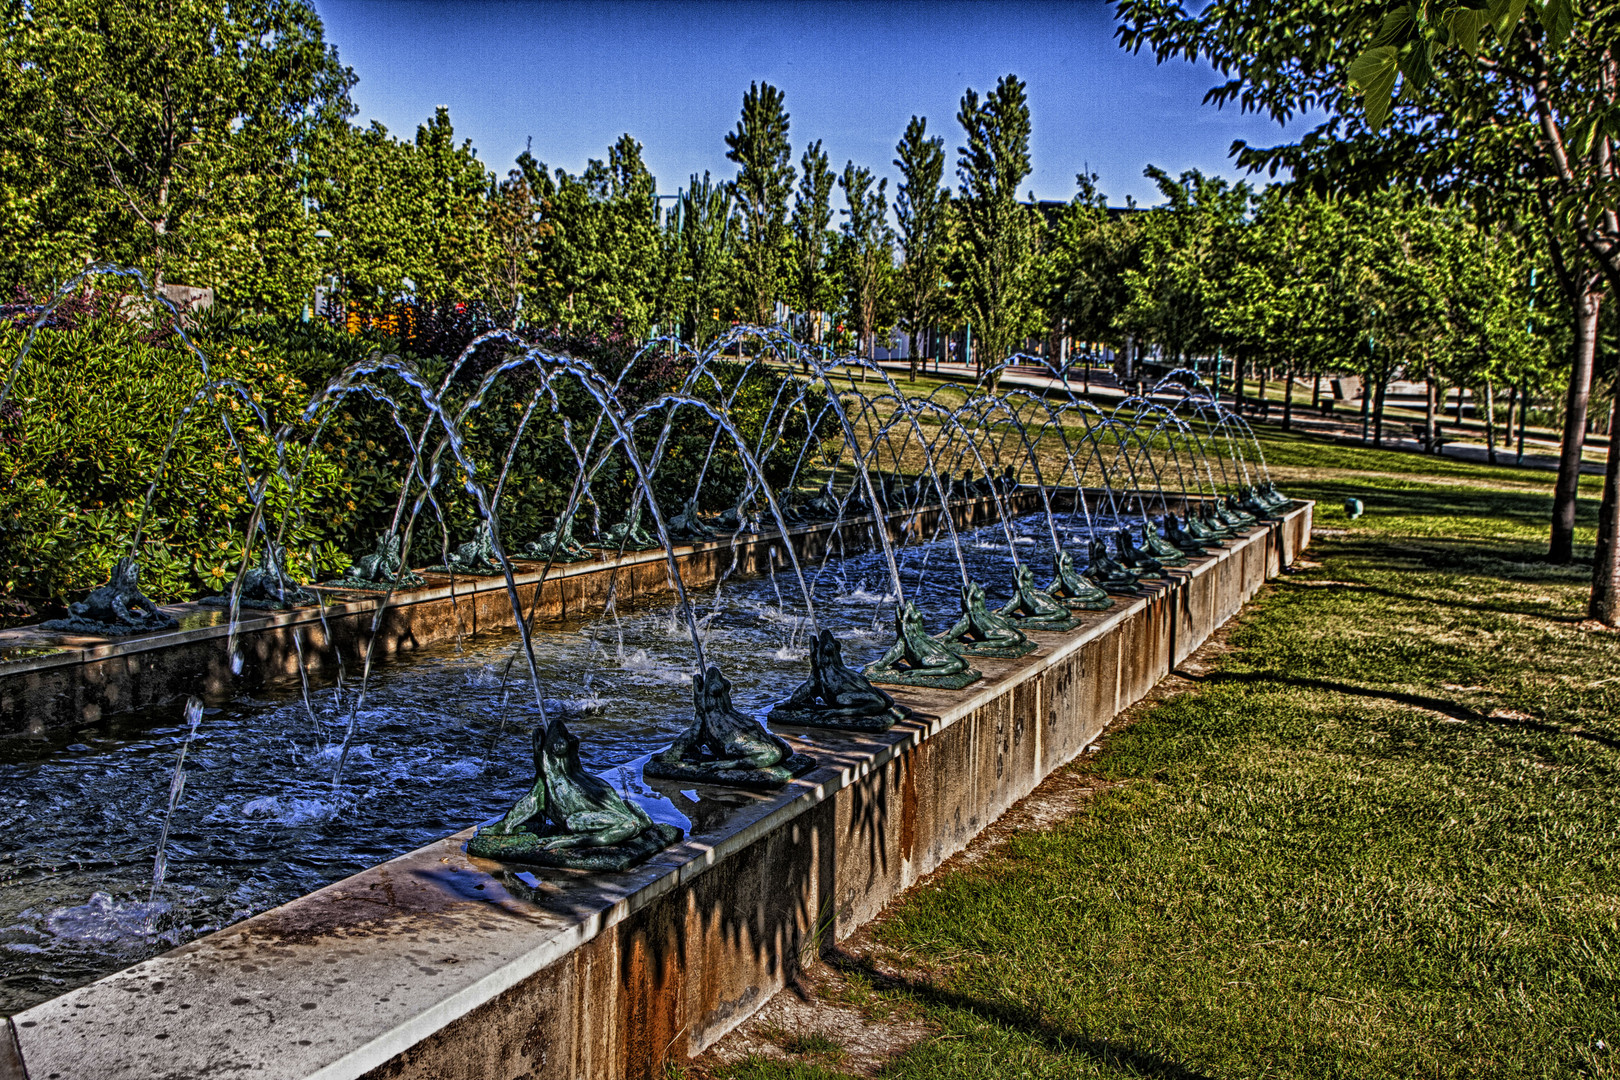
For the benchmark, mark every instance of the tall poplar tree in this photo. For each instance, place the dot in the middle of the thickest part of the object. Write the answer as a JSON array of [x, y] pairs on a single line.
[[921, 207], [810, 287], [765, 177], [995, 255]]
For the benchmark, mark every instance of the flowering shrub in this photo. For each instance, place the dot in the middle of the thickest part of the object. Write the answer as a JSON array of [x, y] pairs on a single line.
[[85, 435]]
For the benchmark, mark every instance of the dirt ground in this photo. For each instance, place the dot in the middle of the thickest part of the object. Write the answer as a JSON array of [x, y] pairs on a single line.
[[827, 1014]]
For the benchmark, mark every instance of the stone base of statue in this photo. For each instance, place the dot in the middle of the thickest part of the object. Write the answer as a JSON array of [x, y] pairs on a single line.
[[606, 858], [571, 819], [1032, 608], [916, 659], [115, 609], [836, 697], [982, 632], [724, 748], [268, 586]]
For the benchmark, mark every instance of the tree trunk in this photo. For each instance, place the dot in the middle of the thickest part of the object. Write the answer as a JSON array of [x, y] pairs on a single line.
[[1316, 392], [1561, 548], [1237, 382], [1378, 405], [1431, 397], [1524, 413], [1507, 428], [1604, 605], [1490, 423], [1366, 401], [1288, 398], [1459, 404]]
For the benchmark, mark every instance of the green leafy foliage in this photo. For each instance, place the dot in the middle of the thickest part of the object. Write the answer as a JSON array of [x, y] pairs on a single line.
[[96, 407]]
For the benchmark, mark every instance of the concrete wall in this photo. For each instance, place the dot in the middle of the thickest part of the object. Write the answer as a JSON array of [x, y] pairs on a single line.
[[434, 965]]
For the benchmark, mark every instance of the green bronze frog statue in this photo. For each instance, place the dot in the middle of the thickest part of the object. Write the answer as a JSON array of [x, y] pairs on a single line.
[[476, 556], [558, 545], [1074, 588], [570, 818], [1183, 541], [982, 632], [116, 608], [1033, 608], [382, 570], [267, 586], [1139, 563], [628, 535], [916, 659], [686, 525], [1109, 572], [836, 697], [1155, 545], [725, 748]]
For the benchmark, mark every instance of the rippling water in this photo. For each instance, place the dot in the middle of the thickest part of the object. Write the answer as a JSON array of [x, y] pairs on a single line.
[[440, 743]]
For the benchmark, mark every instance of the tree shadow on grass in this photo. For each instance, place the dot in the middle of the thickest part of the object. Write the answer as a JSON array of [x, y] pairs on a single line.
[[1055, 1038], [1453, 709]]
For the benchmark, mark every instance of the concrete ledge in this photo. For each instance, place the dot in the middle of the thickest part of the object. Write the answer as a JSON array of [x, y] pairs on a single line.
[[435, 965]]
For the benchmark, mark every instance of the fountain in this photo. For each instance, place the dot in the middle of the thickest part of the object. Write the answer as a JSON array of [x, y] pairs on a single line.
[[847, 495]]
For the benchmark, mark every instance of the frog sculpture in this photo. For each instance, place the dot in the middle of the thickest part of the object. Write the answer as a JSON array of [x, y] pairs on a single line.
[[1033, 608], [1138, 562], [116, 608], [476, 556], [725, 748], [570, 818], [383, 569], [1074, 589], [558, 545], [982, 632], [1155, 545], [267, 586], [835, 696], [1109, 572], [686, 525], [916, 659], [628, 535], [1177, 535]]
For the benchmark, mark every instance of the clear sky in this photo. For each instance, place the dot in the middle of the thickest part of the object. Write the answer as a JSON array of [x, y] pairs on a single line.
[[574, 76]]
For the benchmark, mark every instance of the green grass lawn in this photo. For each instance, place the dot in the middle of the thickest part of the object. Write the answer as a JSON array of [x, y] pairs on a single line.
[[1378, 838]]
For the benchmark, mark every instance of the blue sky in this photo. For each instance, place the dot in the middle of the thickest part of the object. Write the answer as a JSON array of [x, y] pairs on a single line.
[[574, 76]]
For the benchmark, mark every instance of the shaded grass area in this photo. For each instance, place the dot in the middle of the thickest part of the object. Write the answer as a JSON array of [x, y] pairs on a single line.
[[1380, 838]]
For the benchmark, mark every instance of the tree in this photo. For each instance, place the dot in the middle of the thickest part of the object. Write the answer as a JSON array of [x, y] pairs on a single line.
[[997, 233], [867, 250], [701, 251], [765, 176], [811, 286], [181, 128], [921, 206], [1517, 115], [407, 217], [600, 257], [1089, 255]]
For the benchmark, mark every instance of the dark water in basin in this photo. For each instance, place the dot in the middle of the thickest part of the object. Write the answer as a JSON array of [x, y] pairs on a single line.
[[439, 744]]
